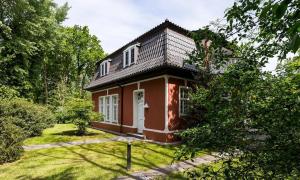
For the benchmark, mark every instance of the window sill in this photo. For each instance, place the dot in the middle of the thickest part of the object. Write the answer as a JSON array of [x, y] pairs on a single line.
[[111, 123]]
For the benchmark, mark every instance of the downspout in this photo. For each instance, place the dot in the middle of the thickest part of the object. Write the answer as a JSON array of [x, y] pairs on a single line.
[[121, 123]]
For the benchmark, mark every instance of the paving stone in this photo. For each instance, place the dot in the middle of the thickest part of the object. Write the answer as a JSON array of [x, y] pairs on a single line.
[[74, 143], [180, 166]]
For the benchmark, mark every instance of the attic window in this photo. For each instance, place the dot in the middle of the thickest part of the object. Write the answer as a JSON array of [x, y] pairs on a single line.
[[130, 55], [104, 68]]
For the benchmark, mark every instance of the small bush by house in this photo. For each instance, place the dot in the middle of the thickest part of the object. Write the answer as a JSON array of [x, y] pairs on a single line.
[[79, 112]]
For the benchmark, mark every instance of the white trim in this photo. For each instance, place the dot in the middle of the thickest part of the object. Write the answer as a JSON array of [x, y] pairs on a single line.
[[129, 49], [136, 82], [166, 102], [161, 131], [109, 123], [115, 124], [144, 80], [179, 99], [138, 85], [177, 77], [105, 89], [102, 68], [134, 113], [127, 126], [111, 105]]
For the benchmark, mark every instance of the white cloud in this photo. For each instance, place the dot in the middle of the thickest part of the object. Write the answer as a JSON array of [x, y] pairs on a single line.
[[116, 22]]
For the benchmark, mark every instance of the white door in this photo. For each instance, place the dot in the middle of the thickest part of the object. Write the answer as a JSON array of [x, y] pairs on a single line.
[[140, 111]]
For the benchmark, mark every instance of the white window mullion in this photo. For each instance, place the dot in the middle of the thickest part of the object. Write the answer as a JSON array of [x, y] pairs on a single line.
[[183, 100], [111, 110]]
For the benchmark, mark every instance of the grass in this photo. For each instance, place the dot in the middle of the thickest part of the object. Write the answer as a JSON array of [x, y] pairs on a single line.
[[65, 133], [92, 161]]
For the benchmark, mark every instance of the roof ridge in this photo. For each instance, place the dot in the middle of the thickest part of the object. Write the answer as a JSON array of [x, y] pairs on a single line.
[[162, 25]]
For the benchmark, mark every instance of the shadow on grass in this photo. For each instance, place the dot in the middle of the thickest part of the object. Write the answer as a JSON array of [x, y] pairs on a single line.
[[119, 152], [65, 174], [74, 133]]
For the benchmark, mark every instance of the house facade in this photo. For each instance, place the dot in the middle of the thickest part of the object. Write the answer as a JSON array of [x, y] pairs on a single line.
[[142, 87]]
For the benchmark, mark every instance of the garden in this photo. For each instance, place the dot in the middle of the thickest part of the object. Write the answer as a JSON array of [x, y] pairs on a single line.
[[88, 161], [248, 115]]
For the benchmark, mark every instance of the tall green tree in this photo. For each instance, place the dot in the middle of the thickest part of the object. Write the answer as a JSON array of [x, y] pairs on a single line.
[[38, 54], [248, 115], [29, 29]]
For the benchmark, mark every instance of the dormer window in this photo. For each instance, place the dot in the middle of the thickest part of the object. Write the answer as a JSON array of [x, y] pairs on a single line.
[[104, 68], [130, 55]]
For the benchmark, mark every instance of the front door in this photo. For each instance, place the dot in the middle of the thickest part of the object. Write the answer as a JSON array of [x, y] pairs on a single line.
[[140, 111]]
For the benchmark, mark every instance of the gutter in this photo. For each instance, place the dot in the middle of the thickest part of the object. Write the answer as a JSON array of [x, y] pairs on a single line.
[[122, 102]]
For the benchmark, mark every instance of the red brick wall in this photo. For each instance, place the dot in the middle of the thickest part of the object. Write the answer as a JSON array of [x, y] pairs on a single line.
[[128, 104], [161, 137], [113, 127], [173, 105], [155, 97], [95, 99]]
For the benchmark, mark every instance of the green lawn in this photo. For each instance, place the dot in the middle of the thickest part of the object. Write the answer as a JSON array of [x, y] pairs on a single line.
[[65, 133], [93, 161]]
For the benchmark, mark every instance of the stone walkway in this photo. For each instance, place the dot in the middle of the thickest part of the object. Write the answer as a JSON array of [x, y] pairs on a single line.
[[180, 166], [74, 143]]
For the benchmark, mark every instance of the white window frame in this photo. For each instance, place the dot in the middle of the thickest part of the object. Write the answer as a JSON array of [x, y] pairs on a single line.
[[116, 107], [182, 99], [104, 68], [106, 107], [128, 50]]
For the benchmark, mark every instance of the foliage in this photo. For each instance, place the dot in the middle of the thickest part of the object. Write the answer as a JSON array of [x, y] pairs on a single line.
[[7, 92], [250, 116], [273, 25], [37, 53], [11, 137], [32, 118], [79, 112]]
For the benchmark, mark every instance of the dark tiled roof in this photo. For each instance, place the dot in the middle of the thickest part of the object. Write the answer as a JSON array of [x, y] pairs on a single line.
[[156, 29], [159, 47], [129, 71]]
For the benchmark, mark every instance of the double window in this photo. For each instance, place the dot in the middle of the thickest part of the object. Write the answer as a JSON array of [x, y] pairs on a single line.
[[104, 68], [183, 100], [108, 106], [130, 55]]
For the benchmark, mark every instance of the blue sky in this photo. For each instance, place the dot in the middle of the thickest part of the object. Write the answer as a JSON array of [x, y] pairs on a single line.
[[116, 22]]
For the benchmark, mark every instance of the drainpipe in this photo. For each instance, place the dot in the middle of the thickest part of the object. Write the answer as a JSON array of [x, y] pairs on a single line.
[[122, 93]]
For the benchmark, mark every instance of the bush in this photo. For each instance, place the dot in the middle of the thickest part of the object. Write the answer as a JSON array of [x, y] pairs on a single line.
[[11, 137], [79, 112], [7, 92], [32, 118]]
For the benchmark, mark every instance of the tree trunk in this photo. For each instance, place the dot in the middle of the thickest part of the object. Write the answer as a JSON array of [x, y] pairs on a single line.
[[45, 82]]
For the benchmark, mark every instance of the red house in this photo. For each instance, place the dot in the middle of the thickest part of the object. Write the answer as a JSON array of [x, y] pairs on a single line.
[[141, 88]]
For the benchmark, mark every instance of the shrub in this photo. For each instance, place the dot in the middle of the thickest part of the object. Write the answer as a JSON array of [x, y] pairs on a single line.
[[80, 112], [7, 92], [32, 118], [11, 137]]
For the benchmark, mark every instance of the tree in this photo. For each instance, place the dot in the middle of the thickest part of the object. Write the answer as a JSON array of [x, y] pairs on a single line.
[[87, 52], [249, 115], [37, 53]]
